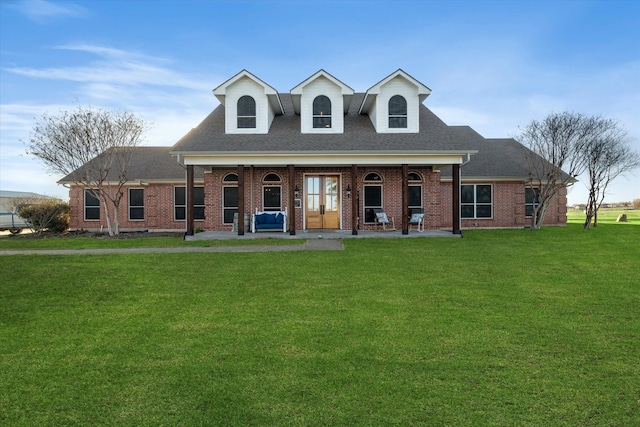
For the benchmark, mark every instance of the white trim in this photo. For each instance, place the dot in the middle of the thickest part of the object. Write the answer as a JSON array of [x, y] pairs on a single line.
[[342, 158]]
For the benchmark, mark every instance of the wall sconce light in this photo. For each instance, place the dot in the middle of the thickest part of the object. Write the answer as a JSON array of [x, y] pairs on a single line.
[[348, 190], [296, 191]]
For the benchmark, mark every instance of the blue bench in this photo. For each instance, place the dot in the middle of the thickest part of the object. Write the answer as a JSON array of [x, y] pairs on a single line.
[[269, 221]]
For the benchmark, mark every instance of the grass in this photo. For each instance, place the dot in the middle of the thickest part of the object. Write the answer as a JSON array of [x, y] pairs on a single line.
[[502, 327], [27, 241], [606, 216]]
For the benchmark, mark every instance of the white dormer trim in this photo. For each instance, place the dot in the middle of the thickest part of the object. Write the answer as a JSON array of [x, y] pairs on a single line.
[[321, 83], [267, 99], [376, 101]]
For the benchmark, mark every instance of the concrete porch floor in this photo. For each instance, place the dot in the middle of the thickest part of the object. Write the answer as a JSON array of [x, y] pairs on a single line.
[[311, 234]]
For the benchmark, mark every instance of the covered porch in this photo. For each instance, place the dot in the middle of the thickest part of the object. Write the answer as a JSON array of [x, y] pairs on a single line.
[[306, 207]]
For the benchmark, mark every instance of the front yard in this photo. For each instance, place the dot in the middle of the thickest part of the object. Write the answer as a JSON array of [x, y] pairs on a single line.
[[502, 327]]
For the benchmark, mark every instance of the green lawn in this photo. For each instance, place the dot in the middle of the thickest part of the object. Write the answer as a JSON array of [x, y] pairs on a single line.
[[502, 327]]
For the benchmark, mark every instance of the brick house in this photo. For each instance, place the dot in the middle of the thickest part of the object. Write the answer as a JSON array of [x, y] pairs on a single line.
[[326, 157]]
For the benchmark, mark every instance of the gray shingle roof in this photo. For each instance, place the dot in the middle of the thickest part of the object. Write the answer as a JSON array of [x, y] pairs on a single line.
[[359, 135], [151, 164], [496, 158]]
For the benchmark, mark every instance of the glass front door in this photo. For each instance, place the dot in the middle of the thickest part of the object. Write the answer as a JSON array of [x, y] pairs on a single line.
[[322, 202]]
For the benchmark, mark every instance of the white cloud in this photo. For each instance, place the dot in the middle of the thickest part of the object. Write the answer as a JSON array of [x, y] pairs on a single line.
[[42, 11]]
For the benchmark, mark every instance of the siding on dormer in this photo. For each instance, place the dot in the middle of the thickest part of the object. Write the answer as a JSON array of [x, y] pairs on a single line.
[[379, 113], [321, 86], [264, 112]]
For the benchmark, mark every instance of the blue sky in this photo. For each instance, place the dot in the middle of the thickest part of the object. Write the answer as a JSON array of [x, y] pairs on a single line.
[[492, 65]]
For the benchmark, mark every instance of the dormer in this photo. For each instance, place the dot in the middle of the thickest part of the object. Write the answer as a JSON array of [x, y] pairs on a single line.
[[393, 104], [321, 101], [249, 104]]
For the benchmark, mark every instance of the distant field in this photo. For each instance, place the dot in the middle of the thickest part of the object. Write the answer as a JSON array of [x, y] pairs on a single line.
[[605, 216], [501, 327]]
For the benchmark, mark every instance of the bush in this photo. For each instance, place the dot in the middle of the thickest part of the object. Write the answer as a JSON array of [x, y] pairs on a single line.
[[48, 214], [636, 203]]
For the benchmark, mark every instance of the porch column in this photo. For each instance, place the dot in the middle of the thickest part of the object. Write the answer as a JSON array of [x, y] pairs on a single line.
[[189, 201], [455, 199], [354, 200], [405, 199], [292, 200], [240, 200]]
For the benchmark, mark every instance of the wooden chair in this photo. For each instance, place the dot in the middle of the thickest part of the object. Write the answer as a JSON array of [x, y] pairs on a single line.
[[382, 220], [417, 219]]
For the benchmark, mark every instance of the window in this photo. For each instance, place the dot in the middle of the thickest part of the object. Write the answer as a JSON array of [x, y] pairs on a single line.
[[271, 200], [246, 112], [136, 203], [229, 204], [91, 206], [230, 177], [271, 194], [229, 197], [475, 201], [397, 112], [180, 203], [372, 196], [415, 193], [321, 112], [531, 200], [372, 201]]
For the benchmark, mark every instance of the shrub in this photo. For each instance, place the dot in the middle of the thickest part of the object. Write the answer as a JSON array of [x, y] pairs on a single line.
[[47, 214], [636, 203]]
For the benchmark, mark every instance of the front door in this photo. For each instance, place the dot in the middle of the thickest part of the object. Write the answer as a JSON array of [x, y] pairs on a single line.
[[323, 202]]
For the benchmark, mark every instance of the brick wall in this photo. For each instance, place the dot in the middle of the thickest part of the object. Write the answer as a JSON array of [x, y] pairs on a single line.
[[508, 201]]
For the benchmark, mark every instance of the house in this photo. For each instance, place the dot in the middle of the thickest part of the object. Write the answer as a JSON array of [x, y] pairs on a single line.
[[329, 158]]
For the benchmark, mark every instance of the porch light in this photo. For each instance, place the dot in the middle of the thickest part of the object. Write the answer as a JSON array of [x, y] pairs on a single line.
[[348, 190], [296, 191]]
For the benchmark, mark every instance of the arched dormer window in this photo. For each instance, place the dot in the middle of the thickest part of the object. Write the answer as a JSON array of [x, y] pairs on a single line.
[[321, 112], [246, 112], [397, 112]]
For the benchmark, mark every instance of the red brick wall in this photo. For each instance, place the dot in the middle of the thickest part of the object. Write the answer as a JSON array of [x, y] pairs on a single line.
[[508, 201], [508, 206]]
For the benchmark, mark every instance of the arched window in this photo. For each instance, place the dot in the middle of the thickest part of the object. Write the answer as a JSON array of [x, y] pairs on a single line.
[[246, 112], [415, 193], [414, 177], [372, 177], [230, 177], [271, 193], [271, 177], [372, 196], [397, 112], [321, 112]]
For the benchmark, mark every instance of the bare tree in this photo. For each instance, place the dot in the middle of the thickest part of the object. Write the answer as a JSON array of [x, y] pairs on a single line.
[[91, 147], [607, 157]]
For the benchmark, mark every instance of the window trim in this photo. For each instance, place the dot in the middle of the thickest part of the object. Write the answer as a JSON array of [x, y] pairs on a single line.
[[475, 203], [130, 206], [98, 207], [364, 201], [412, 207], [175, 205], [254, 116], [536, 201], [322, 115], [226, 208], [270, 208], [404, 115]]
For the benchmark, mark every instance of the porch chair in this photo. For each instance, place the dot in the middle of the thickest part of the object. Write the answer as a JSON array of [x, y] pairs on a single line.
[[383, 220], [417, 219]]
